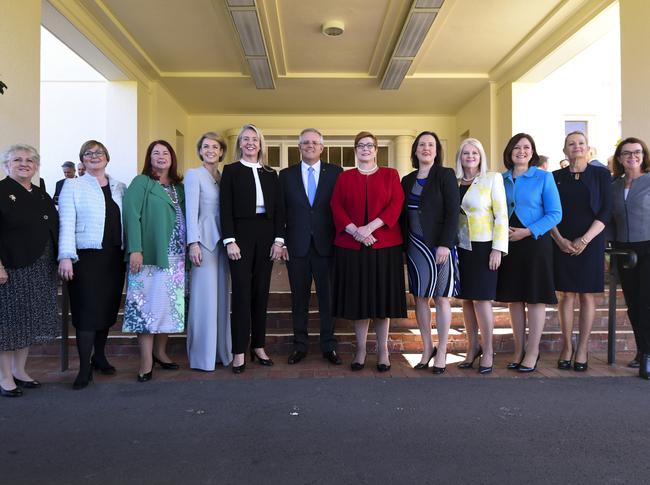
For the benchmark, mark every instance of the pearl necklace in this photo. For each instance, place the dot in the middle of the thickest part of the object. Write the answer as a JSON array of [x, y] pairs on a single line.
[[361, 170], [469, 180]]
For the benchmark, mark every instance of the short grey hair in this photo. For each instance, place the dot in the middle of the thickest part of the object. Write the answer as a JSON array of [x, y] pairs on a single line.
[[482, 167], [10, 151], [310, 130]]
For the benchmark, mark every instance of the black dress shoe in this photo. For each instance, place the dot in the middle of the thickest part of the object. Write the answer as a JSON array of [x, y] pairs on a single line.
[[383, 367], [102, 366], [82, 380], [296, 356], [147, 376], [438, 370], [332, 357], [515, 365], [525, 370], [356, 366], [27, 384], [423, 365], [164, 365], [266, 362], [580, 366], [238, 369], [470, 364], [644, 366], [17, 392], [636, 362], [484, 369]]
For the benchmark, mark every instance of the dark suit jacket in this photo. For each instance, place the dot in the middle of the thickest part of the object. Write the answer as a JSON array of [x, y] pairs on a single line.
[[27, 222], [237, 197], [57, 190], [302, 221], [439, 206]]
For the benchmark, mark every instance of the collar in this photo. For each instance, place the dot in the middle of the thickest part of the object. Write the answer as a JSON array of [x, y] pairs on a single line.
[[528, 173], [305, 166], [249, 164]]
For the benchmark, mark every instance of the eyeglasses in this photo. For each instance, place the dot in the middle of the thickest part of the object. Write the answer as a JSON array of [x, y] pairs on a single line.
[[367, 146], [98, 154], [308, 142], [636, 153]]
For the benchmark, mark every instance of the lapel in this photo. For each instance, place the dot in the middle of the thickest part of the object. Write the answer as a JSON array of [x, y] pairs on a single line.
[[433, 173], [300, 186], [158, 191], [324, 172]]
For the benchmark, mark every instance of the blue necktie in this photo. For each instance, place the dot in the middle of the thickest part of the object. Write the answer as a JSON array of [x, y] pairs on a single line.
[[311, 185]]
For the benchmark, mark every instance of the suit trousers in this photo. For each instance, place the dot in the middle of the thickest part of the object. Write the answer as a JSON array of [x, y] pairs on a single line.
[[251, 280], [635, 283], [301, 272]]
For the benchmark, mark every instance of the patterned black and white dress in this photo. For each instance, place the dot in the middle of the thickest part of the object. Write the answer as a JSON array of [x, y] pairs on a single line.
[[426, 278]]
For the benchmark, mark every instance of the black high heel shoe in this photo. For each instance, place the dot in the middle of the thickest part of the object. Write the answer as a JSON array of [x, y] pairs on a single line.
[[383, 367], [238, 369], [17, 392], [438, 370], [580, 366], [469, 365], [81, 382], [484, 369], [165, 365], [146, 376], [27, 384], [266, 362], [525, 370], [515, 365], [104, 367], [566, 364], [421, 365]]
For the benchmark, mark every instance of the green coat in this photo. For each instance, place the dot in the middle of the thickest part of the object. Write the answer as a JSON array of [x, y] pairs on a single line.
[[149, 216]]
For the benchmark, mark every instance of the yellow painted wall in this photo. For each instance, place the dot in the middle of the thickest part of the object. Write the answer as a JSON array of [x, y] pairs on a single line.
[[635, 68], [330, 125], [475, 117], [20, 69]]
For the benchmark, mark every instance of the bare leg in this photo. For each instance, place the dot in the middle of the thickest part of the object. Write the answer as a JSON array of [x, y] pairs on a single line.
[[423, 317], [261, 353], [238, 360], [587, 314], [160, 346], [518, 323], [443, 322], [471, 329], [6, 377], [19, 362], [565, 312], [145, 340], [536, 321], [361, 331], [381, 329], [483, 310]]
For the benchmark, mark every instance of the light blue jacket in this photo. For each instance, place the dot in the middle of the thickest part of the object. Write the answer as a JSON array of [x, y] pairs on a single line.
[[535, 200], [82, 214]]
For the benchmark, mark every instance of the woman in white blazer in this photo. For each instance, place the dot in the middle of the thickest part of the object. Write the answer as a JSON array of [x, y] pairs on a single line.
[[208, 326], [91, 256], [483, 239]]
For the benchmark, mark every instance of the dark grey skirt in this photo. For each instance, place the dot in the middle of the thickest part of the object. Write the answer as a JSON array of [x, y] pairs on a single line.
[[28, 307]]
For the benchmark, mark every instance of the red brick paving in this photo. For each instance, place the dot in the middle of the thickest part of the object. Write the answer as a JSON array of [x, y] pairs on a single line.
[[46, 369]]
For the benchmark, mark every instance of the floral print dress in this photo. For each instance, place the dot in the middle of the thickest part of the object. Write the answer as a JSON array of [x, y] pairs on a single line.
[[155, 297]]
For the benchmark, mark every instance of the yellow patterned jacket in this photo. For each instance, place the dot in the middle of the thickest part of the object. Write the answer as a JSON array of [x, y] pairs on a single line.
[[484, 213]]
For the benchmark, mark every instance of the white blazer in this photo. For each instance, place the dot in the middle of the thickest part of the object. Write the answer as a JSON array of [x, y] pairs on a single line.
[[82, 214], [202, 208]]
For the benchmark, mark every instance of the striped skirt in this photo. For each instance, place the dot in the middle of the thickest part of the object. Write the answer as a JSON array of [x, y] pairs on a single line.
[[426, 278]]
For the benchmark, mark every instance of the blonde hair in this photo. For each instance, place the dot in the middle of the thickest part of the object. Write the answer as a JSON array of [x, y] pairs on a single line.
[[482, 167]]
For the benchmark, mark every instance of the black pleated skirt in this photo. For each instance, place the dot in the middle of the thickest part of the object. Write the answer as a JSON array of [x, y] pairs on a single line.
[[477, 280], [526, 273], [96, 288], [369, 283]]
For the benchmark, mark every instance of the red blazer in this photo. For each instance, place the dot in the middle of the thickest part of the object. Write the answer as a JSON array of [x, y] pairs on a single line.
[[385, 198]]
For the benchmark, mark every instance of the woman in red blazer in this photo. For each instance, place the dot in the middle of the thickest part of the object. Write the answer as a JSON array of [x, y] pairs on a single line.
[[368, 273]]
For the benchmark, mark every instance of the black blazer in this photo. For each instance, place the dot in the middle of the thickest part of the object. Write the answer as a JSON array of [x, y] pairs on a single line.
[[439, 207], [302, 221], [57, 190], [27, 222], [237, 197]]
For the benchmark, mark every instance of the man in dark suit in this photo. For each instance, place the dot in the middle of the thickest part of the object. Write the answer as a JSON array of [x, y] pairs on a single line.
[[306, 190], [69, 172]]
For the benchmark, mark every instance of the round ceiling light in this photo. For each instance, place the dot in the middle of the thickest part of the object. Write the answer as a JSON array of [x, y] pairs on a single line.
[[333, 28]]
